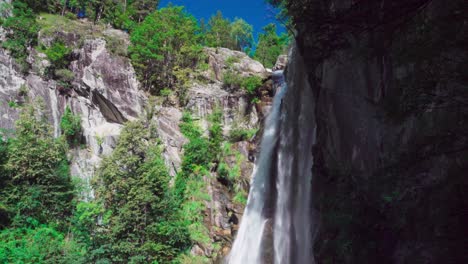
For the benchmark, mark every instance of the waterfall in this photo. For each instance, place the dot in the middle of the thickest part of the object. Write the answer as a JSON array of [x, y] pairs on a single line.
[[247, 246], [282, 180]]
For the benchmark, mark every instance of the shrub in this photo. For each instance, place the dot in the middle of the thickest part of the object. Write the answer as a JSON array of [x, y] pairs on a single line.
[[232, 79], [13, 104], [240, 134], [165, 92], [70, 125], [240, 198], [58, 54], [65, 75], [43, 244], [23, 90], [116, 45], [223, 170], [231, 61], [21, 31], [252, 83]]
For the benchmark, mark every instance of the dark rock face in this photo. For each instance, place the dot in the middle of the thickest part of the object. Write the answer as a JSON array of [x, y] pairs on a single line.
[[392, 130], [108, 110]]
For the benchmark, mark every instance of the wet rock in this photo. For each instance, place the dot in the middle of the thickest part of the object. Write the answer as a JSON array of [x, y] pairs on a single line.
[[281, 63]]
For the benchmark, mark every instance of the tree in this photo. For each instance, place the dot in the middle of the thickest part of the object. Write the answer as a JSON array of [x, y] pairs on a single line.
[[38, 184], [270, 46], [166, 39], [142, 8], [219, 32], [133, 185], [242, 34]]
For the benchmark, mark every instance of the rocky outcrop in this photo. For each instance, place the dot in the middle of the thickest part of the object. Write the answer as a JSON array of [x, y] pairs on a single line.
[[221, 58]]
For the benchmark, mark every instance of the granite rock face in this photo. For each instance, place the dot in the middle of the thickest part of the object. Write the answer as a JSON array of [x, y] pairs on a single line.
[[105, 93], [220, 58]]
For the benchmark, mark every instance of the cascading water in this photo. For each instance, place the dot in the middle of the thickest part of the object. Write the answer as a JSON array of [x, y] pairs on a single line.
[[247, 247], [285, 157]]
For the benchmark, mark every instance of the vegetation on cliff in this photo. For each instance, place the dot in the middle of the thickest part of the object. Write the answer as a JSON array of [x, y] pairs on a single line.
[[138, 213]]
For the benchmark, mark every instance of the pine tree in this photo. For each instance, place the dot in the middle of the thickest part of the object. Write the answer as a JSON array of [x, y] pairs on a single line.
[[133, 186], [39, 184], [270, 46]]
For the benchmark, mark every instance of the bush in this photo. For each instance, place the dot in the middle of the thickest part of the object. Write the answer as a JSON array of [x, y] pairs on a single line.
[[165, 92], [23, 90], [58, 54], [232, 80], [231, 61], [65, 75], [240, 134], [116, 45], [240, 198], [70, 125], [43, 244], [21, 31], [223, 170], [252, 83]]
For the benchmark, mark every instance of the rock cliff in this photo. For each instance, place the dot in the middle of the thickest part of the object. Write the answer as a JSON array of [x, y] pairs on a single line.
[[391, 145], [105, 93]]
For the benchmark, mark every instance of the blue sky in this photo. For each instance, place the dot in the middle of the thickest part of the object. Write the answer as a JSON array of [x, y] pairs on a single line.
[[255, 12]]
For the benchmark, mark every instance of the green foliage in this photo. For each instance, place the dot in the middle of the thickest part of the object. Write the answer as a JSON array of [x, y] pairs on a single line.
[[5, 10], [166, 39], [133, 186], [215, 132], [236, 35], [65, 75], [199, 154], [43, 244], [70, 125], [219, 32], [23, 90], [242, 33], [240, 134], [231, 61], [38, 172], [190, 259], [21, 31], [240, 198], [58, 54], [188, 127], [13, 104], [270, 46], [252, 83], [232, 79]]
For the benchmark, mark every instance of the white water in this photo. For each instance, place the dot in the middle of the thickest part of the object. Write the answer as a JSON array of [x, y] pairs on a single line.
[[247, 246], [285, 156]]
